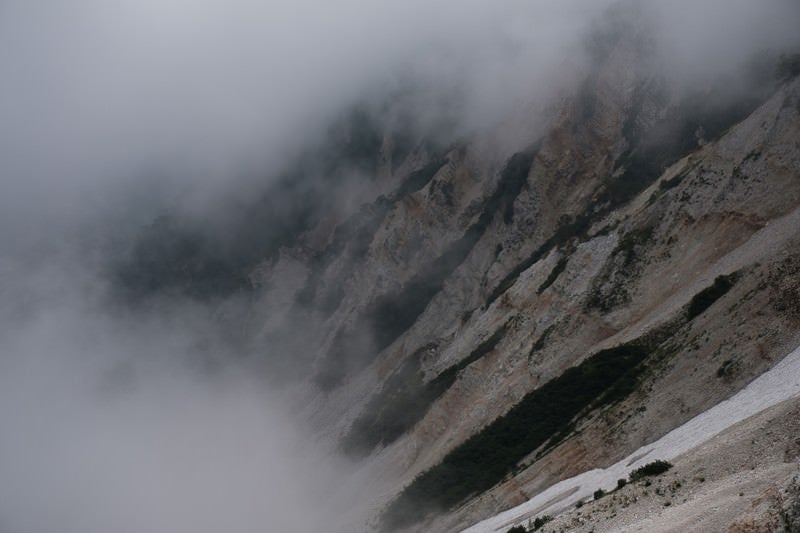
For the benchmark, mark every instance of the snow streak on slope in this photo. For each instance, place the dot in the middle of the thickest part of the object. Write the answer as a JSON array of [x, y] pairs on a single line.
[[774, 386]]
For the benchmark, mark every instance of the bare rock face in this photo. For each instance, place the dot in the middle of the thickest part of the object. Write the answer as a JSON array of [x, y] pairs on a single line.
[[481, 276]]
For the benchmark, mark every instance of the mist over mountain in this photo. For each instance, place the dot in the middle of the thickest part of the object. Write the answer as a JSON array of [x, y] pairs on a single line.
[[274, 266]]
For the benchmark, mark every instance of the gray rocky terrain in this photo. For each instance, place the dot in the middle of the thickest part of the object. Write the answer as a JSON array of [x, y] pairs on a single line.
[[485, 319]]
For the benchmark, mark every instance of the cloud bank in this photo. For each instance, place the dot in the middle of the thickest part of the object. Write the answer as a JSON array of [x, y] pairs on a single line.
[[118, 420]]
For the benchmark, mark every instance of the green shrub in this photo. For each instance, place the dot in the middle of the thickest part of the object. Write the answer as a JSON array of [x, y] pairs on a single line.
[[621, 483], [727, 369], [599, 493], [706, 298], [671, 183], [542, 340], [517, 529], [650, 469], [540, 521], [553, 276]]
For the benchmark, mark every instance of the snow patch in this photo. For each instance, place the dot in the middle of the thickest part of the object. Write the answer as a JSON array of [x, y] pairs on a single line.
[[780, 383]]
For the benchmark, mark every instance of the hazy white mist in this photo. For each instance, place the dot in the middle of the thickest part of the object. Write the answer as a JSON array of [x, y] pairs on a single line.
[[114, 420]]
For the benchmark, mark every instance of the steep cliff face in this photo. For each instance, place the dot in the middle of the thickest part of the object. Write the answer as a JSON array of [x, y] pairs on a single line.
[[487, 318]]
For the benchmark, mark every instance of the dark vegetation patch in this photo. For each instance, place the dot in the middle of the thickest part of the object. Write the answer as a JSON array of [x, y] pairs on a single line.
[[561, 265], [488, 456], [405, 399], [605, 298], [655, 468], [391, 315], [666, 185], [540, 521], [541, 342], [728, 369], [706, 298]]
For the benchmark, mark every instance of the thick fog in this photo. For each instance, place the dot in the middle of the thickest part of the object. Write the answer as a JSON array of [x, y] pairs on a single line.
[[147, 419], [95, 93]]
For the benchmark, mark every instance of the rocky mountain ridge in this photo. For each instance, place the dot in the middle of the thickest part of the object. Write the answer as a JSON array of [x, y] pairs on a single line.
[[495, 317]]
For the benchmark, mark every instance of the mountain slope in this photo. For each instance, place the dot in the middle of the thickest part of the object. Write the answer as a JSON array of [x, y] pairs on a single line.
[[495, 317], [772, 396]]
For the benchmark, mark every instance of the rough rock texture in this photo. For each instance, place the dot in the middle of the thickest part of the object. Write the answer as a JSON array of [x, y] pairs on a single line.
[[597, 233]]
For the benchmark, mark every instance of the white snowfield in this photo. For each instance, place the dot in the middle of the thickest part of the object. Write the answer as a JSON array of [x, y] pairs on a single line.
[[780, 383]]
